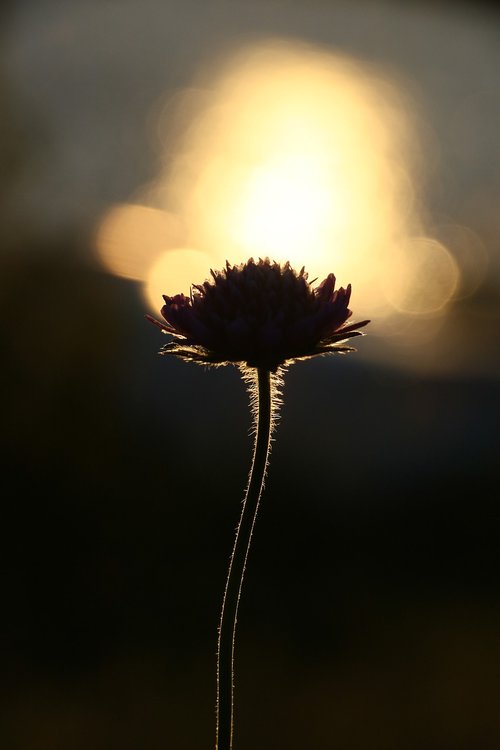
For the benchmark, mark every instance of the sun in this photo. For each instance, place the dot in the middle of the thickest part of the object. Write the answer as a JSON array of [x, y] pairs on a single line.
[[294, 153]]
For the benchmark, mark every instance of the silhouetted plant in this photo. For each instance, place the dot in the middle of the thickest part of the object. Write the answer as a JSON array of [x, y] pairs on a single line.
[[260, 316]]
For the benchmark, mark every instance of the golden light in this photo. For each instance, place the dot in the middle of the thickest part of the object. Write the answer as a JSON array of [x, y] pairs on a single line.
[[299, 155], [131, 237], [283, 206], [424, 277], [289, 151], [470, 254], [173, 273]]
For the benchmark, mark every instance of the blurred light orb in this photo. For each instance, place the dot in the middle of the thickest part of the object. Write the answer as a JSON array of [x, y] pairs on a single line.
[[470, 254], [283, 207], [173, 272], [130, 238], [424, 277]]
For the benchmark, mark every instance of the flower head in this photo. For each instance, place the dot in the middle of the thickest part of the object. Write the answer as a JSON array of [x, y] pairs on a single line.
[[262, 314]]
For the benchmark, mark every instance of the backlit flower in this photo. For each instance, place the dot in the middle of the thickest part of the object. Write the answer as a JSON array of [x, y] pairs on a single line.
[[262, 314]]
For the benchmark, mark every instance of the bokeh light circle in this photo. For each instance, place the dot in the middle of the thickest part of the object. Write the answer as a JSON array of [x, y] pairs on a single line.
[[173, 272], [130, 238], [423, 278]]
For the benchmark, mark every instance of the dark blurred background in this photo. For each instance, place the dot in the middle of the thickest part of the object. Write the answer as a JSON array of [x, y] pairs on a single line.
[[371, 613]]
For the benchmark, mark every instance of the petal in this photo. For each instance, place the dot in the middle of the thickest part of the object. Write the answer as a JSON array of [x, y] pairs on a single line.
[[165, 328], [325, 290]]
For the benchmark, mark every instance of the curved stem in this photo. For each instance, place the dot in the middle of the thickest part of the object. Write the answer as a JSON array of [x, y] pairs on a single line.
[[227, 627]]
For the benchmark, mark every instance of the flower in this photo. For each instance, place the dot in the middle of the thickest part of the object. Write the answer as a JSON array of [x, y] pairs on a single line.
[[262, 314]]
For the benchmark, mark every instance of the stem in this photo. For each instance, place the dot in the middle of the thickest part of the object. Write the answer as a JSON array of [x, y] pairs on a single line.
[[229, 613]]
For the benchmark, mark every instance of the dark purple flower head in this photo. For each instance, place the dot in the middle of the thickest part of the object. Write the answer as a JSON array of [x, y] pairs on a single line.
[[260, 314]]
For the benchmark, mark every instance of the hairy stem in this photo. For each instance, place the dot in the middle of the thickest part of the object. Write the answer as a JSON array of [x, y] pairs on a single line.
[[263, 403]]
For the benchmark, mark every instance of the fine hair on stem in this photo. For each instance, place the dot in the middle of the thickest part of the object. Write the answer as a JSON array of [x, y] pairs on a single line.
[[264, 388]]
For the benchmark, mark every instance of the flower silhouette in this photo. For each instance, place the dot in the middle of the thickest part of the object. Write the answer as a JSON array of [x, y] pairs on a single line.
[[259, 314]]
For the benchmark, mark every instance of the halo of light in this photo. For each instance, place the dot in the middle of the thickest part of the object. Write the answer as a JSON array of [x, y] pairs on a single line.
[[290, 151], [297, 154]]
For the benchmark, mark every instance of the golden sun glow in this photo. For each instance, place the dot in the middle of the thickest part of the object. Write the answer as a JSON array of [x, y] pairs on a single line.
[[130, 239], [294, 153], [284, 207], [172, 273]]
